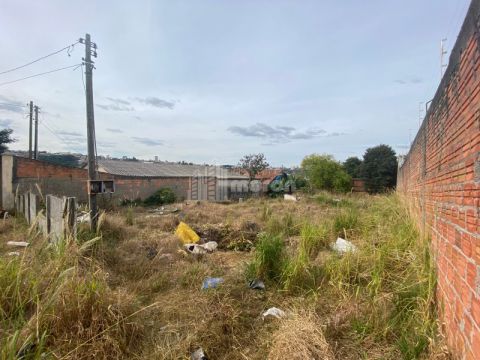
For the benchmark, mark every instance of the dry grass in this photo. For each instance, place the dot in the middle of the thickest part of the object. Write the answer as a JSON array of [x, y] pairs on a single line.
[[134, 294], [300, 337]]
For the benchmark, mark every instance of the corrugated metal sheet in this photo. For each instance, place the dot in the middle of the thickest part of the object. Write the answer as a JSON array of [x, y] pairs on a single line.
[[157, 169]]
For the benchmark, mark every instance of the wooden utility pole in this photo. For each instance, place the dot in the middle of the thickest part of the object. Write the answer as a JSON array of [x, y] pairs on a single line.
[[36, 133], [30, 131], [92, 168]]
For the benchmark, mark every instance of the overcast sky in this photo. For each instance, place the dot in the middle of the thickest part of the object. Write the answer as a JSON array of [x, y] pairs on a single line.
[[209, 81]]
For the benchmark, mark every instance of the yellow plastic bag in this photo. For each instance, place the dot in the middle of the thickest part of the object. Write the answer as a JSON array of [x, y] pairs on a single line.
[[186, 234]]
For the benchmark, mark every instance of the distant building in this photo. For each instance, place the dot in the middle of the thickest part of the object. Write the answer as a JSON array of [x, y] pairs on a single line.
[[133, 179]]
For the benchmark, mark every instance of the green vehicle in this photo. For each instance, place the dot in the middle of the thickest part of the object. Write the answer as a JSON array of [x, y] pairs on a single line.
[[283, 183]]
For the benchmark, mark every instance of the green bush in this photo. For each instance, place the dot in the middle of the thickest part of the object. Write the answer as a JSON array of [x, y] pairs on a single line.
[[325, 173], [160, 197]]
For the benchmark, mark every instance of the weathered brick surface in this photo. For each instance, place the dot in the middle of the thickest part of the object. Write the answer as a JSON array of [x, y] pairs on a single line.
[[440, 181]]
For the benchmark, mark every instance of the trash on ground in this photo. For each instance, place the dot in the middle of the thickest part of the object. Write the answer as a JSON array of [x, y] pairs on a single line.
[[337, 200], [4, 214], [198, 354], [210, 246], [164, 210], [275, 312], [18, 243], [256, 285], [343, 246], [83, 217], [211, 283], [195, 249], [289, 197], [186, 234], [13, 253]]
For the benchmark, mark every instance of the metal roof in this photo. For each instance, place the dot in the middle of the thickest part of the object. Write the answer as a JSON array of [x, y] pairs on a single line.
[[159, 169]]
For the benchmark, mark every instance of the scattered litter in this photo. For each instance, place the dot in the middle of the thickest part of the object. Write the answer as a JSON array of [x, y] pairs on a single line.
[[186, 234], [288, 197], [343, 246], [164, 211], [337, 200], [275, 312], [151, 253], [211, 283], [210, 246], [198, 355], [5, 215], [18, 243], [83, 217], [195, 249], [257, 285], [13, 253]]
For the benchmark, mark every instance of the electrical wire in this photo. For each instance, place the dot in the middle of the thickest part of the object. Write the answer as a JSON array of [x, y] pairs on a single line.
[[68, 48], [44, 73]]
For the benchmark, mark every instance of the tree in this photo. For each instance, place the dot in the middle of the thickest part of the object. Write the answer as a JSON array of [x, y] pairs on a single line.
[[5, 138], [379, 169], [253, 164], [352, 166], [325, 173]]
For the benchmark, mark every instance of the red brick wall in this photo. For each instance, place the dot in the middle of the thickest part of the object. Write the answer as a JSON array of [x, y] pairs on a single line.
[[65, 181], [440, 181]]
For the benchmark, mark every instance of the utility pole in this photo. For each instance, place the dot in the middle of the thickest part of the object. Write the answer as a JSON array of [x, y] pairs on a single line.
[[30, 131], [36, 133], [92, 168]]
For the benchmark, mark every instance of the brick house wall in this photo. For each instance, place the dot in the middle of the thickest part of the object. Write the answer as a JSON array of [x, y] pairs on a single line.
[[29, 175], [440, 182]]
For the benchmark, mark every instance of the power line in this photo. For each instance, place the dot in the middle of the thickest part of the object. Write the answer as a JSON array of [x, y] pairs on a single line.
[[44, 73], [12, 104], [69, 47]]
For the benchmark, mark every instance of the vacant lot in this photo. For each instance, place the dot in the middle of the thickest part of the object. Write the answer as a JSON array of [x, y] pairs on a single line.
[[131, 291]]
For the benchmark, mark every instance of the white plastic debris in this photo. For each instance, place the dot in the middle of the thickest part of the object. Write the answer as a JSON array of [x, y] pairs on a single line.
[[275, 312], [343, 246], [198, 355], [195, 249], [18, 243], [83, 217], [288, 197], [13, 253], [210, 246]]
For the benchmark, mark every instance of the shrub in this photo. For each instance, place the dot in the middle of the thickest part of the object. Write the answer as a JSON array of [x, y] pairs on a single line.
[[325, 173], [160, 197]]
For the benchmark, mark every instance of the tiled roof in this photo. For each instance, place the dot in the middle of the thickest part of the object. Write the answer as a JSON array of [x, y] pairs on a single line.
[[159, 169]]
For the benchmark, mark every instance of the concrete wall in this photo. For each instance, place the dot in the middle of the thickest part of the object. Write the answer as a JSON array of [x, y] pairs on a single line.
[[8, 199], [440, 181]]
